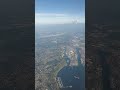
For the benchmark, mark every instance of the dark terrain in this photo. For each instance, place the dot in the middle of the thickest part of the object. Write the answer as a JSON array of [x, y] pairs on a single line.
[[102, 45], [17, 45], [102, 57]]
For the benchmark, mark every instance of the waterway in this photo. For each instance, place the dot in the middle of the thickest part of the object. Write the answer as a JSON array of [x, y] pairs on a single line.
[[73, 77]]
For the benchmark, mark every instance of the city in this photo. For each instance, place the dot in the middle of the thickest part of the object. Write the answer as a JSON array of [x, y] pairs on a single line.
[[56, 52]]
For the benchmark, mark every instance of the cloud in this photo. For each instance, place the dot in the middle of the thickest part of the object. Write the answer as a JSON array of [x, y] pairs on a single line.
[[50, 15], [55, 18]]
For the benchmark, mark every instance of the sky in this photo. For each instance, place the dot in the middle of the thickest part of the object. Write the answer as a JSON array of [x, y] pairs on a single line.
[[59, 11]]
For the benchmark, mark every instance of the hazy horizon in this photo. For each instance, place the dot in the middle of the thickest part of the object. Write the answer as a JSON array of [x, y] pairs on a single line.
[[59, 12]]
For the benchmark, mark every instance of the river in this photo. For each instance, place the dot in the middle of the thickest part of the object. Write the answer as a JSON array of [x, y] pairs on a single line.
[[73, 77]]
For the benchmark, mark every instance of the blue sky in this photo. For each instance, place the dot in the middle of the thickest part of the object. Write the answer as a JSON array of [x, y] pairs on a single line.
[[59, 11]]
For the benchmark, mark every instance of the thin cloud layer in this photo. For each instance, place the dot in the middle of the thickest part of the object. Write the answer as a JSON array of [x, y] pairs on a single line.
[[55, 18], [50, 14]]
